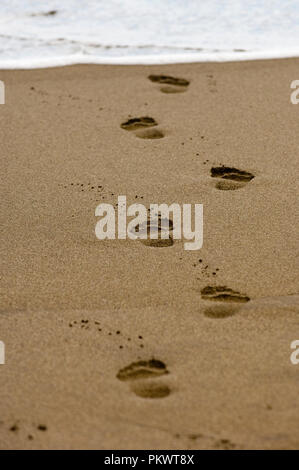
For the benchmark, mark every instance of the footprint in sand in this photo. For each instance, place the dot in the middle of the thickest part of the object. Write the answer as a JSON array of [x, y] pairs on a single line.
[[143, 126], [170, 84], [223, 294], [138, 374], [230, 178], [159, 226], [225, 299]]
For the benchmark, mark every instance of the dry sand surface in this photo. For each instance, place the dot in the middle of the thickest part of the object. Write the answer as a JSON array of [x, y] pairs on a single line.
[[121, 345]]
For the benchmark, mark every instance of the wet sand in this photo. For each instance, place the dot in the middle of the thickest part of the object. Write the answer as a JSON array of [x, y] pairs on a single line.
[[116, 344]]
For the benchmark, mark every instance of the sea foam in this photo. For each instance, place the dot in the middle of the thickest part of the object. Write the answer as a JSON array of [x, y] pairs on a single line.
[[36, 34]]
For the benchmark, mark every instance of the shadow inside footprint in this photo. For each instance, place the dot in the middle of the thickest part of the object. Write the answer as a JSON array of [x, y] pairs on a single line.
[[223, 294], [230, 173], [158, 243], [137, 123], [142, 370], [221, 311], [167, 79], [172, 89], [150, 389], [226, 185], [150, 134]]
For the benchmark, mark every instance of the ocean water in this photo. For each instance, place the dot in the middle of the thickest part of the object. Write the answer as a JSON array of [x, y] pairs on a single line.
[[60, 32]]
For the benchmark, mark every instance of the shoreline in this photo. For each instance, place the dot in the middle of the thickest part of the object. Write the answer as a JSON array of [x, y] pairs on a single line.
[[149, 64]]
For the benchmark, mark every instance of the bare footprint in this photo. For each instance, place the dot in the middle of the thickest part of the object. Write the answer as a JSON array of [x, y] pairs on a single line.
[[137, 123], [167, 79], [141, 125], [145, 389], [173, 84], [231, 178], [159, 226], [223, 294], [140, 375], [142, 370], [226, 301], [231, 173]]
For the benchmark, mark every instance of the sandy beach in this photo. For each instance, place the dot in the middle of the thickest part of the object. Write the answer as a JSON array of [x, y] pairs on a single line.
[[118, 345]]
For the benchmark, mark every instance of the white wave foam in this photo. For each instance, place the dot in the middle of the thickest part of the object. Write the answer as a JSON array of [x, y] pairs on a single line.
[[145, 31]]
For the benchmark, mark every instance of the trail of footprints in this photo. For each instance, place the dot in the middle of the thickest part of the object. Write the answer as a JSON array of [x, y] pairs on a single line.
[[144, 376], [145, 127], [227, 178]]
